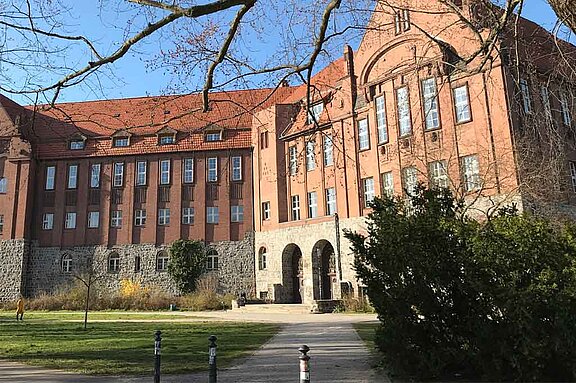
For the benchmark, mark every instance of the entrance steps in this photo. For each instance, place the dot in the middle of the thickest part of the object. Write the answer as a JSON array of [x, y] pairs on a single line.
[[274, 308]]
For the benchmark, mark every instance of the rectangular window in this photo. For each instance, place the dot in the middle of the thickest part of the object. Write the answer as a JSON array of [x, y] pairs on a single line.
[[236, 168], [139, 217], [3, 185], [470, 173], [363, 135], [525, 91], [388, 184], [546, 101], [188, 215], [381, 124], [116, 218], [212, 214], [93, 219], [312, 205], [48, 221], [70, 220], [141, 173], [72, 177], [462, 104], [406, 19], [565, 110], [573, 175], [120, 142], [214, 136], [295, 208], [163, 217], [315, 113], [310, 155], [265, 211], [188, 175], [95, 176], [212, 169], [430, 96], [1, 223], [76, 145], [438, 174], [368, 186], [403, 106], [263, 140], [168, 139], [50, 177], [410, 178], [293, 151], [330, 201], [118, 174], [397, 22], [328, 151], [237, 213], [165, 172]]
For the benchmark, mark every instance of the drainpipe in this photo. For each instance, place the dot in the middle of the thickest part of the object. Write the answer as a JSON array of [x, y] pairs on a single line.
[[338, 256]]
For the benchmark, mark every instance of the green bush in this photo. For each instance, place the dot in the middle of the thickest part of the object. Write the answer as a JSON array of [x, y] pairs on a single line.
[[187, 263], [492, 301]]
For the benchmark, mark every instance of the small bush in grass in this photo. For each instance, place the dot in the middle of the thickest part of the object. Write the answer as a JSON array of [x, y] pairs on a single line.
[[206, 296], [354, 304]]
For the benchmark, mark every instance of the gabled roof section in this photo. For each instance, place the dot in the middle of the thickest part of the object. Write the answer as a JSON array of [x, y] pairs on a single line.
[[11, 115], [166, 130], [122, 133]]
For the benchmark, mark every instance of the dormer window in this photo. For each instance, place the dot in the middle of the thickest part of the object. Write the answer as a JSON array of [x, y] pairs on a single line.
[[121, 142], [76, 144], [167, 139], [213, 136], [315, 112]]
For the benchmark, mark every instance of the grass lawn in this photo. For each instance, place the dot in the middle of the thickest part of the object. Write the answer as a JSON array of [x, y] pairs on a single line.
[[366, 331], [123, 348]]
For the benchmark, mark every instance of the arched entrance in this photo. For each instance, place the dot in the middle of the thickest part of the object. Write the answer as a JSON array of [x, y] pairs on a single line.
[[292, 274], [324, 270]]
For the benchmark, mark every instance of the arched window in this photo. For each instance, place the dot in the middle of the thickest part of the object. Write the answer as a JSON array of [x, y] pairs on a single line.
[[262, 259], [66, 263], [113, 263], [162, 261], [212, 260], [137, 264]]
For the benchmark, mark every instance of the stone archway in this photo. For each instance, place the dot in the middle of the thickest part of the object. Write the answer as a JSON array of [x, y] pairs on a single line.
[[292, 274], [324, 270]]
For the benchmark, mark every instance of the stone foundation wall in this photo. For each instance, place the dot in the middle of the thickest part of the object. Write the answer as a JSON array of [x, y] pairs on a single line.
[[13, 255]]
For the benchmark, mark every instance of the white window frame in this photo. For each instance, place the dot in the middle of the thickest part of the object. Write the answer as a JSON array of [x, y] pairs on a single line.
[[266, 211], [573, 175], [3, 185], [381, 121], [213, 136], [237, 213], [438, 171], [95, 175], [47, 221], [293, 154], [405, 19], [328, 150], [141, 173], [331, 201], [188, 173], [140, 217], [116, 218], [164, 174], [363, 134], [93, 219], [162, 260], [462, 110], [121, 142], [212, 215], [315, 112], [430, 96], [295, 199], [310, 154], [237, 168], [163, 216], [212, 169], [369, 191], [212, 261], [113, 262], [66, 263], [72, 177], [312, 204], [118, 174], [387, 180], [565, 109], [410, 180], [166, 139], [545, 94], [403, 109], [525, 92], [262, 255], [187, 215], [76, 145], [50, 178], [470, 173], [70, 220]]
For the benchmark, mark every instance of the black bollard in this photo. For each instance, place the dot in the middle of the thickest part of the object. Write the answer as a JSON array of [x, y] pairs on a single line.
[[304, 364], [213, 376], [157, 348]]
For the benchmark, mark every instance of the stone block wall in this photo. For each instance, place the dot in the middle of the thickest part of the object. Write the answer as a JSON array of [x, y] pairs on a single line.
[[14, 254]]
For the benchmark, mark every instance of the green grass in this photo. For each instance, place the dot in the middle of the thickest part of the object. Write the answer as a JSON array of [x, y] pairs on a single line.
[[124, 348], [93, 315], [367, 331]]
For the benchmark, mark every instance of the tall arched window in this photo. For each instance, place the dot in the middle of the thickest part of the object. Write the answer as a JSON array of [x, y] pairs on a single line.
[[262, 259], [162, 261], [113, 263], [212, 260], [66, 263]]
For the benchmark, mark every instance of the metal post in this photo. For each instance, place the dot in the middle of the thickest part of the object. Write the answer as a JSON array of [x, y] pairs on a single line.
[[212, 376], [304, 364], [157, 348]]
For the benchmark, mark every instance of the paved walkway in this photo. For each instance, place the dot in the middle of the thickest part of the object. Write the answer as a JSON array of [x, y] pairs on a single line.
[[337, 355]]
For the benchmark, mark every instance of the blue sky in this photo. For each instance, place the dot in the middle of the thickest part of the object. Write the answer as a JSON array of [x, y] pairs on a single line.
[[132, 77]]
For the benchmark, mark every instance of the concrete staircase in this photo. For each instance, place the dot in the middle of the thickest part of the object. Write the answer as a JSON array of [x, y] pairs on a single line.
[[276, 308]]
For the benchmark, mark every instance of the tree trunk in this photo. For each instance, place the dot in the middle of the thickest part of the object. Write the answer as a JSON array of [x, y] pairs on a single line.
[[87, 302], [566, 12]]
